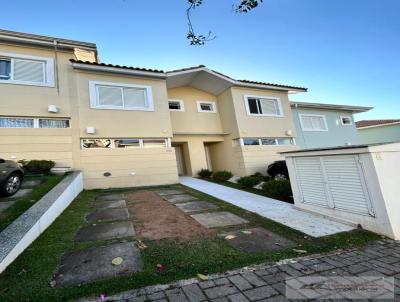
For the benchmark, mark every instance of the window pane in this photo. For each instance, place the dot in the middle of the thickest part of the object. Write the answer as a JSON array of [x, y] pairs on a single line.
[[16, 123], [174, 105], [110, 96], [318, 123], [313, 122], [96, 143], [250, 141], [127, 143], [284, 141], [206, 107], [253, 107], [154, 143], [268, 141], [53, 123], [135, 98], [269, 106], [346, 120], [28, 71], [5, 69]]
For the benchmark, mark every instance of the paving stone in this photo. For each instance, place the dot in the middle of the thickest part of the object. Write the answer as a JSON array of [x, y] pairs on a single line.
[[254, 279], [110, 204], [108, 215], [220, 291], [194, 293], [179, 198], [156, 296], [240, 282], [356, 269], [21, 194], [108, 197], [277, 299], [223, 299], [106, 231], [290, 270], [260, 293], [176, 295], [196, 206], [218, 219], [238, 298], [94, 264], [169, 192], [221, 281], [4, 205], [257, 240], [206, 284], [30, 183]]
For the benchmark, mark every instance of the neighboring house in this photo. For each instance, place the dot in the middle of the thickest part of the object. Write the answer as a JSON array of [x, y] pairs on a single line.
[[379, 131], [325, 125], [125, 126]]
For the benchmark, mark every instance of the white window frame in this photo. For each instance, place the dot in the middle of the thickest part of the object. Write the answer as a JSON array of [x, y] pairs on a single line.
[[278, 100], [292, 140], [313, 115], [112, 146], [213, 104], [48, 69], [346, 116], [181, 103], [35, 122], [93, 96]]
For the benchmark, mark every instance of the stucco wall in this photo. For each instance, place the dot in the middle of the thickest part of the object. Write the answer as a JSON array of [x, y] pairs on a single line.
[[379, 134], [337, 134]]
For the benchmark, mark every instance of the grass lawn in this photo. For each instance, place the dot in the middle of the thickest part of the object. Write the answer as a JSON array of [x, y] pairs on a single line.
[[24, 203], [28, 277]]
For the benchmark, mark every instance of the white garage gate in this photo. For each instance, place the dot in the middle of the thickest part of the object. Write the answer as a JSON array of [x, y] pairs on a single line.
[[335, 181]]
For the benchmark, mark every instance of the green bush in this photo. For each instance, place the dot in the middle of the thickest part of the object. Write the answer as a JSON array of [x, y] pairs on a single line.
[[38, 166], [279, 189], [204, 173], [248, 182], [261, 177], [221, 176]]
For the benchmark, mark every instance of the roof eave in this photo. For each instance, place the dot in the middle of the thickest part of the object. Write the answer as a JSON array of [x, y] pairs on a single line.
[[117, 70], [380, 125], [354, 109], [271, 87]]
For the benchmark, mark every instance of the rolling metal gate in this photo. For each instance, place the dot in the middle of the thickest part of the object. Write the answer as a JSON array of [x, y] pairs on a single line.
[[335, 181]]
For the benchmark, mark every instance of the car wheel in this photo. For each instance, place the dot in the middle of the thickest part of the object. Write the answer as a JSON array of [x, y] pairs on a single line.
[[280, 176], [12, 184]]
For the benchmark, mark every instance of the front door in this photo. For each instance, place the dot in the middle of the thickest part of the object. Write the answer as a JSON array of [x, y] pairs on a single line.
[[179, 160], [208, 157]]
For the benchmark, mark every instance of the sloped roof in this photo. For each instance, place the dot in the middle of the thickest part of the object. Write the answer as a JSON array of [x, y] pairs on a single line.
[[375, 123], [353, 109], [117, 66]]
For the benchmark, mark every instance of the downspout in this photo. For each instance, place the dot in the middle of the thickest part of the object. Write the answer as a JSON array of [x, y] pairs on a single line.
[[56, 66]]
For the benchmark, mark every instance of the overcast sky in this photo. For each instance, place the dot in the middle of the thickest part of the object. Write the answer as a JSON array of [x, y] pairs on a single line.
[[344, 51]]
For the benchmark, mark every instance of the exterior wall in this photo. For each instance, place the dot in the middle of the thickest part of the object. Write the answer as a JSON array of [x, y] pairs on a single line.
[[190, 121], [337, 134], [32, 101], [382, 134]]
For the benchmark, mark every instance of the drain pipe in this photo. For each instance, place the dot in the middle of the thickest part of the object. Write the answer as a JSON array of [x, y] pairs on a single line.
[[56, 66]]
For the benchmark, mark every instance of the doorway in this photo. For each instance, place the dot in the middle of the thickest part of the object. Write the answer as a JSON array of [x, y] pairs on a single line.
[[179, 159], [208, 156]]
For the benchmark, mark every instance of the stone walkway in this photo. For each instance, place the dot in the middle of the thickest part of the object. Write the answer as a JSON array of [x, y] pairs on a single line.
[[377, 264], [279, 211]]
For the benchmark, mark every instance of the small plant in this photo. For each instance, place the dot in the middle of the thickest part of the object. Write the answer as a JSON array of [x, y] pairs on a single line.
[[262, 178], [204, 173], [279, 189], [37, 166], [221, 176], [248, 182]]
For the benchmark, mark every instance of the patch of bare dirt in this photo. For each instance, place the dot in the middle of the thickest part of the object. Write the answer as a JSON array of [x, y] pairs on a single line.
[[156, 218]]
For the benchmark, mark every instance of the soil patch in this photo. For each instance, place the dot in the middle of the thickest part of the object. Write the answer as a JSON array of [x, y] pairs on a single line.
[[156, 218]]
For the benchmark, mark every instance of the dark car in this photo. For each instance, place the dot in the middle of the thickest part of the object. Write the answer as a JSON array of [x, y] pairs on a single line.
[[11, 176], [278, 170]]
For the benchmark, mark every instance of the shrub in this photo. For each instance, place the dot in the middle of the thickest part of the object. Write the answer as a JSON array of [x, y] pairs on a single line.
[[204, 173], [261, 177], [38, 166], [279, 189], [248, 182], [221, 176]]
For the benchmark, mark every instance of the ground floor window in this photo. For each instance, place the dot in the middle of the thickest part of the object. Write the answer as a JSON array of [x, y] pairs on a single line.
[[267, 141], [26, 122], [110, 143]]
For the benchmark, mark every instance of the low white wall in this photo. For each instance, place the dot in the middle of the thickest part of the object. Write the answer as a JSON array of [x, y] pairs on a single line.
[[26, 228]]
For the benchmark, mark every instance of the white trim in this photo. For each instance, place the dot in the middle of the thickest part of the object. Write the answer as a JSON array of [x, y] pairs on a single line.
[[278, 101], [48, 69], [213, 105], [315, 115], [167, 142], [93, 96], [181, 103], [346, 116], [35, 122]]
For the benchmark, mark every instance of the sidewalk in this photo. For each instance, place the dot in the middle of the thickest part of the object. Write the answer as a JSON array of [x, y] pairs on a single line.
[[380, 262], [279, 211]]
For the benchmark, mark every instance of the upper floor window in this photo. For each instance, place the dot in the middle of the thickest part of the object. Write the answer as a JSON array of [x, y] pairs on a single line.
[[346, 120], [206, 106], [104, 95], [176, 105], [26, 70], [313, 122], [263, 106], [23, 122]]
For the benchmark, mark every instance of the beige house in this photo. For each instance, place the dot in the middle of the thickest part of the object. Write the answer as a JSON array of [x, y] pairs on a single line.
[[125, 126]]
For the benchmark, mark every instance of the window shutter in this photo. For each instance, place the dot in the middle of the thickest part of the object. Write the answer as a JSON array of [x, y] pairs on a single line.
[[269, 107], [135, 98], [110, 96], [29, 71]]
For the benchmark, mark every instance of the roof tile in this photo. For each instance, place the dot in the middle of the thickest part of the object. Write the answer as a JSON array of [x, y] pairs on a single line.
[[368, 123]]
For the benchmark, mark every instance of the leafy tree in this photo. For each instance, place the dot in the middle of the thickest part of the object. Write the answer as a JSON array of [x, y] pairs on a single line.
[[244, 6]]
